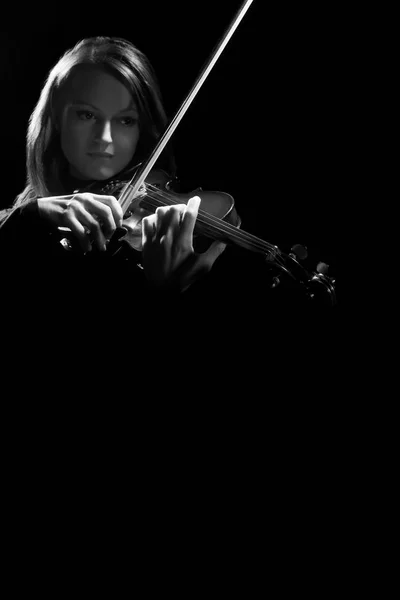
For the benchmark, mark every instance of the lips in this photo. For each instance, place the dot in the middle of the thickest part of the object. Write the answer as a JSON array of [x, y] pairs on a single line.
[[100, 154]]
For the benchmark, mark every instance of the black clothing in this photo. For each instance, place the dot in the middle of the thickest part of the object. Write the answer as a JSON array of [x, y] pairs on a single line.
[[86, 344], [67, 298]]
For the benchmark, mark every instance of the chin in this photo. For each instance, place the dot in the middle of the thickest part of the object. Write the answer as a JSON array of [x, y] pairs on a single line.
[[102, 174]]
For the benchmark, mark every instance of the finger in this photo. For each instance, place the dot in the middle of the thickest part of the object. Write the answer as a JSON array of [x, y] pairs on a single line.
[[80, 233], [114, 205], [160, 214], [208, 258], [102, 208], [200, 264], [149, 229], [106, 218], [168, 219], [189, 219], [91, 224]]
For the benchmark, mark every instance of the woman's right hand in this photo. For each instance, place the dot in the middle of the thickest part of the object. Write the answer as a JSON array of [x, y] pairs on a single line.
[[90, 217]]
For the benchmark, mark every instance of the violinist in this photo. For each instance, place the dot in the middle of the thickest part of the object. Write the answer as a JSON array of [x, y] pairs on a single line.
[[99, 114]]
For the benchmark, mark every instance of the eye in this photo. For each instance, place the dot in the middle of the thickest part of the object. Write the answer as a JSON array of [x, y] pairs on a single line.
[[128, 121], [85, 115]]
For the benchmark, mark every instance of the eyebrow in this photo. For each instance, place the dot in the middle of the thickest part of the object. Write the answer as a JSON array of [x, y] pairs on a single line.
[[131, 106]]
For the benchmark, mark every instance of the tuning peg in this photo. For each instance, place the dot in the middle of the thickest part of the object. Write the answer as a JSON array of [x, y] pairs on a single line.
[[275, 282], [299, 251], [322, 268]]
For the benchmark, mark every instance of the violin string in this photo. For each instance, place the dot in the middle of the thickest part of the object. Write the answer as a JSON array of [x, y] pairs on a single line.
[[212, 224], [256, 244], [208, 221]]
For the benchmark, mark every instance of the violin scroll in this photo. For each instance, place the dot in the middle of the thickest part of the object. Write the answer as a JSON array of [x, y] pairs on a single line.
[[317, 285]]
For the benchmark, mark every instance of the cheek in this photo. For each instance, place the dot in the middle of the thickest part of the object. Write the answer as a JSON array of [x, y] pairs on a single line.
[[127, 142], [72, 139]]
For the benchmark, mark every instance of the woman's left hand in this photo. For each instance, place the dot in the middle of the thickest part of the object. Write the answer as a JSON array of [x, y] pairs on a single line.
[[168, 254]]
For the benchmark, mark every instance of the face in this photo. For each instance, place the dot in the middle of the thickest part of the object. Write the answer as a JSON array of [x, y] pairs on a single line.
[[99, 125]]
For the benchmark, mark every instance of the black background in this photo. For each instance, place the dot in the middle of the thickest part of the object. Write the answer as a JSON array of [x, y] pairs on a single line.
[[265, 127]]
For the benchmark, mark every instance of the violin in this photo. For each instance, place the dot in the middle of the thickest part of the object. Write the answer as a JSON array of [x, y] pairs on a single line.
[[217, 219]]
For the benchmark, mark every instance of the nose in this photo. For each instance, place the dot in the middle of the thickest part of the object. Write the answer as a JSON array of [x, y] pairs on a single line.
[[104, 133]]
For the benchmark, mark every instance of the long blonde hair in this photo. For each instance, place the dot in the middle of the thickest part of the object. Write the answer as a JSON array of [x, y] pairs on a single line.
[[44, 158]]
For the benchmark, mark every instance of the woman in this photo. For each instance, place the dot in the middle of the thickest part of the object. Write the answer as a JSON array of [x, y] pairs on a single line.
[[99, 115]]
